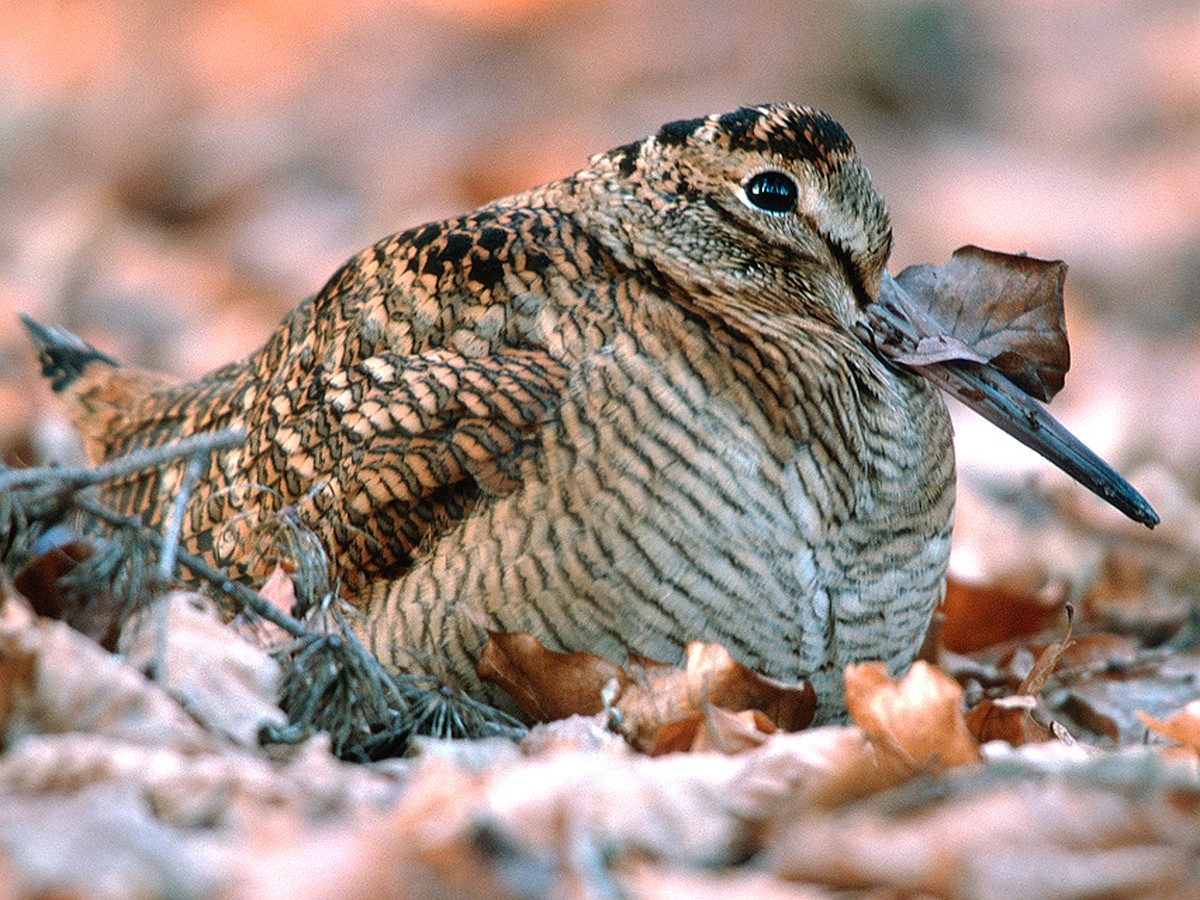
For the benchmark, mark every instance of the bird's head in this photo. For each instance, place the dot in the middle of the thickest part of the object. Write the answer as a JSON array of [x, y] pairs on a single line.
[[765, 212], [767, 216]]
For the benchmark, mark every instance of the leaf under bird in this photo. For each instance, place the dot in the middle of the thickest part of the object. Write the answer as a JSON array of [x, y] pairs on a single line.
[[675, 396]]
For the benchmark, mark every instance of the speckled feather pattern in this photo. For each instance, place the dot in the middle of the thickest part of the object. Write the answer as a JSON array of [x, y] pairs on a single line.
[[622, 411]]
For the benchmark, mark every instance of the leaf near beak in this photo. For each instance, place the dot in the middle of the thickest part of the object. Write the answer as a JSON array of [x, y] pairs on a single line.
[[1000, 309]]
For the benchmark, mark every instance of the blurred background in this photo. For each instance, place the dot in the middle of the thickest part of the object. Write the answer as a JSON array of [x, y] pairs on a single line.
[[174, 176]]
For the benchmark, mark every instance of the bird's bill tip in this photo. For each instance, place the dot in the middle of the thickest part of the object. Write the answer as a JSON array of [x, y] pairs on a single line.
[[991, 395]]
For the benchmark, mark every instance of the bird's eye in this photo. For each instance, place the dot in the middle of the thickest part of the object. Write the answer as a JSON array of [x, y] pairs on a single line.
[[772, 191]]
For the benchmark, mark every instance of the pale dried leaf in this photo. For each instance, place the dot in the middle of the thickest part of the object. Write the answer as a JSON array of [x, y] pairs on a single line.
[[426, 846], [229, 686], [731, 732], [65, 682], [573, 734], [100, 840], [916, 724], [822, 767], [1183, 727], [280, 591], [1112, 834], [661, 882]]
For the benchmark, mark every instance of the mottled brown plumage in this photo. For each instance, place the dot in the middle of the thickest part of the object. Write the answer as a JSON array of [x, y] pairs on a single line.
[[622, 411]]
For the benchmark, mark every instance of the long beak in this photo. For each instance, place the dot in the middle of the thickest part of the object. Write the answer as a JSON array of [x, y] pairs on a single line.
[[1010, 409], [1001, 402]]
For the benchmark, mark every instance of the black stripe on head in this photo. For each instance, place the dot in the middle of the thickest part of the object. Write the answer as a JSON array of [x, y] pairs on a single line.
[[675, 133], [792, 132]]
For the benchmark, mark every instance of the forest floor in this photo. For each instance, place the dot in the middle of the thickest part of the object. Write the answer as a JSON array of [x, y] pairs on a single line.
[[173, 181]]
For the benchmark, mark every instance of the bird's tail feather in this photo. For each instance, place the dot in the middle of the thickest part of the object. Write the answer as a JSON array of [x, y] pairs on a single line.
[[64, 356]]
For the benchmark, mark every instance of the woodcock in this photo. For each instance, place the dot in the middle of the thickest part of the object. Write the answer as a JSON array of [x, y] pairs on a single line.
[[622, 411]]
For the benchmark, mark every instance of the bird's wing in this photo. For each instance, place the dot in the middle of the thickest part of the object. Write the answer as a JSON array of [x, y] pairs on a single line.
[[381, 456]]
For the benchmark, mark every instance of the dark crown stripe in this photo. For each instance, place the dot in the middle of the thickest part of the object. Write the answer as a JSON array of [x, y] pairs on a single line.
[[792, 132]]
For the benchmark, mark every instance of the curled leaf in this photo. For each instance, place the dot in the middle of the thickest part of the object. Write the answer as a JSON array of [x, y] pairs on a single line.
[[545, 684], [1010, 718], [713, 702], [666, 702], [916, 723], [997, 309]]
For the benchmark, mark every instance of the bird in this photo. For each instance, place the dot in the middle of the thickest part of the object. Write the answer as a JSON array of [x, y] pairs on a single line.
[[622, 411]]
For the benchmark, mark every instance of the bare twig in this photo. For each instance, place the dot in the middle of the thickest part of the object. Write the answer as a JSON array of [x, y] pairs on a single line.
[[68, 479], [197, 567], [174, 523], [332, 682], [168, 556]]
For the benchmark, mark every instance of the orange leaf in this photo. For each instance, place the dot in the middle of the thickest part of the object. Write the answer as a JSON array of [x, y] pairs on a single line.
[[660, 708], [978, 616], [545, 684], [916, 723], [1183, 727], [1006, 719]]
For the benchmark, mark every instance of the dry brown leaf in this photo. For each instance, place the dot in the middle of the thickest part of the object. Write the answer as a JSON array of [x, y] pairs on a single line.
[[545, 684], [677, 735], [981, 615], [660, 708], [713, 729], [1047, 661], [663, 710], [1183, 727], [18, 670], [995, 308], [698, 808], [915, 724], [1006, 719], [1011, 718], [559, 819], [38, 582]]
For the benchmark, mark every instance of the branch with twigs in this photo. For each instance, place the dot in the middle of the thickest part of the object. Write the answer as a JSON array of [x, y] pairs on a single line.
[[331, 681]]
